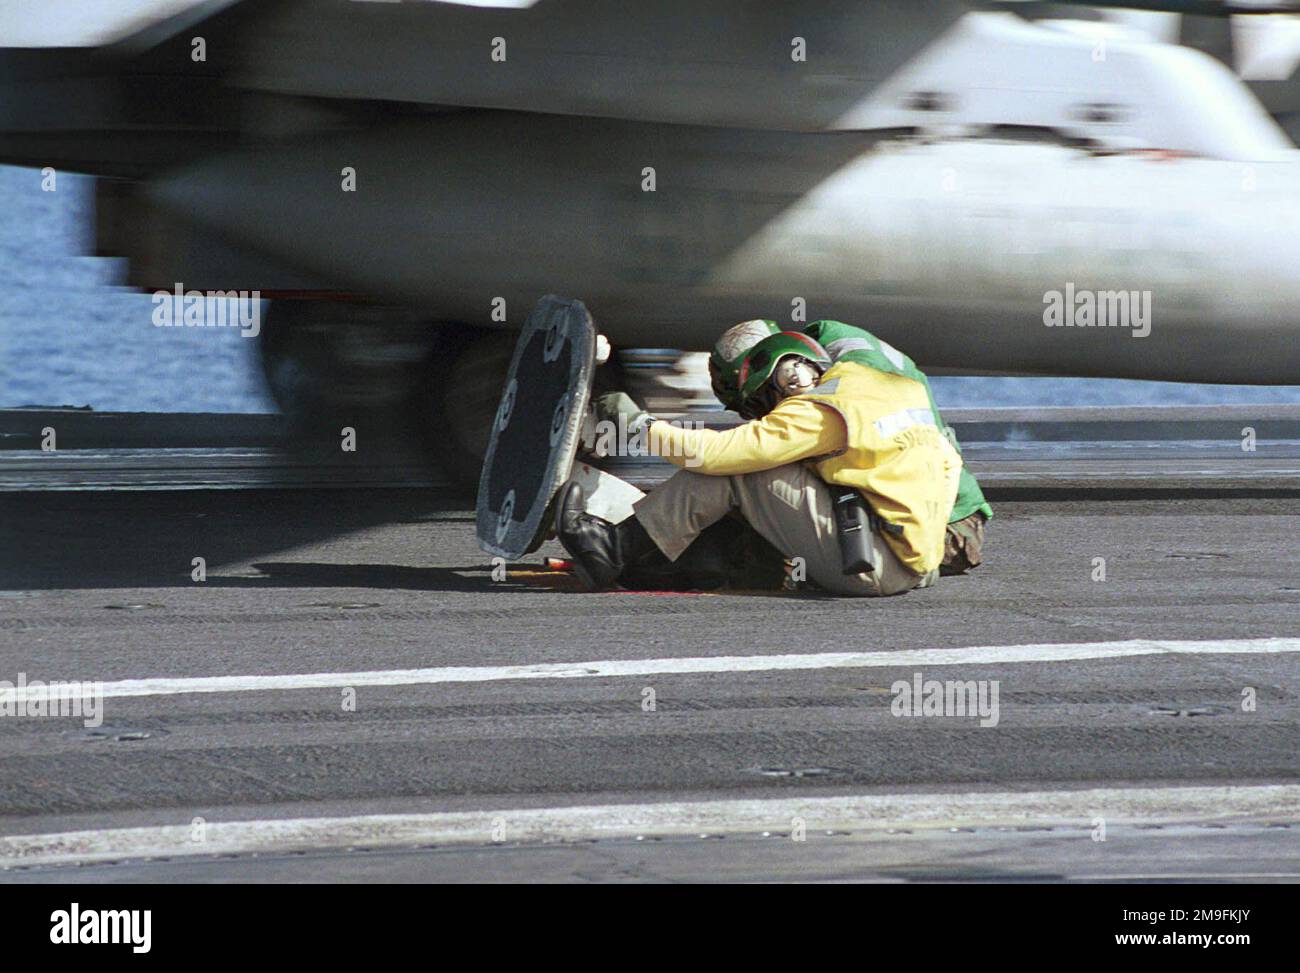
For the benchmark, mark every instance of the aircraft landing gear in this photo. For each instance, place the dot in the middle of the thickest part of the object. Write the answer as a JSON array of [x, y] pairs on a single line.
[[330, 363], [459, 390], [414, 389]]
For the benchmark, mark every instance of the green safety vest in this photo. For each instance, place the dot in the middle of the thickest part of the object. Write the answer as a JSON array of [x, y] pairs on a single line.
[[844, 342]]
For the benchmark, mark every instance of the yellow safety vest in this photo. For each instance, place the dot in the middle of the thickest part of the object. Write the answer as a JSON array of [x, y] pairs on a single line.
[[896, 457]]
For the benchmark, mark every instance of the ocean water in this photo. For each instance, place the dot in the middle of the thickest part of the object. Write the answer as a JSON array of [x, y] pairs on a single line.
[[70, 334]]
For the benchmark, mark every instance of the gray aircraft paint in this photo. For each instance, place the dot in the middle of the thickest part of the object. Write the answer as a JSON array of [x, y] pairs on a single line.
[[744, 221]]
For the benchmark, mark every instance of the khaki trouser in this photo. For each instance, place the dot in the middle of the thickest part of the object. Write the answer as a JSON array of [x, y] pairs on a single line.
[[963, 544], [790, 506]]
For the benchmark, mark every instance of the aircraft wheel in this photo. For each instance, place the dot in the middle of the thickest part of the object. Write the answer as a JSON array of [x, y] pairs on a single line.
[[330, 364], [460, 390]]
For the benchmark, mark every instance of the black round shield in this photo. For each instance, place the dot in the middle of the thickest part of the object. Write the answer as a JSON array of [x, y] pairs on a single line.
[[535, 432]]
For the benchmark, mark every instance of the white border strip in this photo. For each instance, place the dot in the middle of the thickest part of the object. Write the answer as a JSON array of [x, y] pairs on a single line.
[[865, 813], [977, 656]]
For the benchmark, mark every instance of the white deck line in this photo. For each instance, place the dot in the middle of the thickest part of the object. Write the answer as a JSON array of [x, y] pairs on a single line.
[[858, 814], [607, 668]]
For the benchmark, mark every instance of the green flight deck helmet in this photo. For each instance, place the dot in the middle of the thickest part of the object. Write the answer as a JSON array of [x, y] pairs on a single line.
[[727, 353], [781, 365]]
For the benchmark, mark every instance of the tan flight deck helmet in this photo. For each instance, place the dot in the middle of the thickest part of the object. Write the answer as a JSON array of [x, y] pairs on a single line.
[[727, 354]]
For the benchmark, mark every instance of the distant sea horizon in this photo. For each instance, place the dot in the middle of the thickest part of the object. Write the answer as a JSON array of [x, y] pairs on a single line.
[[72, 335]]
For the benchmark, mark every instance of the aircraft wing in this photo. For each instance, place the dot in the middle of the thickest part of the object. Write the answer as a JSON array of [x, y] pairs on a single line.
[[794, 65], [127, 108], [146, 102]]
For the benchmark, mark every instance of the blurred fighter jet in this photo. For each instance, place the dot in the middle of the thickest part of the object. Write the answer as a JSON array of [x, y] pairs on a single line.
[[403, 180]]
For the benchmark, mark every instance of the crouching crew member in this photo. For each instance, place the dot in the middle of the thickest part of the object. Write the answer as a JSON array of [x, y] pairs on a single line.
[[963, 545], [823, 438]]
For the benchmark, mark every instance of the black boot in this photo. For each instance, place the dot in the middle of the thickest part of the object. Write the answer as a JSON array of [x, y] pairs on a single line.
[[601, 551]]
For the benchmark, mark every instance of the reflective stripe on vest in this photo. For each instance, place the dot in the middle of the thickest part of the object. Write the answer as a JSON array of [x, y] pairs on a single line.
[[896, 422]]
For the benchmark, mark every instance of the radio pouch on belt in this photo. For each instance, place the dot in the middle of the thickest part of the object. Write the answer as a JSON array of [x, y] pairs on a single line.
[[853, 527]]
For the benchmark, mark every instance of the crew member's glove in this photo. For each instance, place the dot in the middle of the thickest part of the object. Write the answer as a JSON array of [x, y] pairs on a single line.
[[613, 405]]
